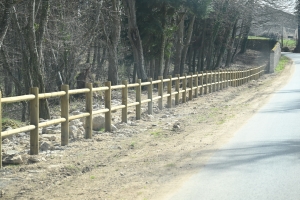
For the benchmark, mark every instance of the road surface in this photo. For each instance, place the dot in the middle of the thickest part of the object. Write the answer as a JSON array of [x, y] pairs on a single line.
[[262, 161]]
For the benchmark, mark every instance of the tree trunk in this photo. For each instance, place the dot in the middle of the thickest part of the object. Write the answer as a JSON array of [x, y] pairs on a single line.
[[34, 44], [135, 39], [187, 43], [167, 67], [4, 23], [247, 25], [179, 45], [112, 44], [231, 43], [152, 67]]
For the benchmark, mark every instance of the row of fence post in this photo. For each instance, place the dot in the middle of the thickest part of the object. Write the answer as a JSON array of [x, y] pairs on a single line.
[[201, 83]]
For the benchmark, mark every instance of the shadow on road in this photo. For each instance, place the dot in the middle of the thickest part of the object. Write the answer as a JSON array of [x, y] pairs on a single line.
[[251, 154]]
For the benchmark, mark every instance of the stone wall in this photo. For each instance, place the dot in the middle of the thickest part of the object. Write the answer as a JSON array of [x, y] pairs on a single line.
[[274, 57]]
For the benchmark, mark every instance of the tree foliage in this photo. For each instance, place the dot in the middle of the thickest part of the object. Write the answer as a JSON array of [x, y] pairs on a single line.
[[46, 43]]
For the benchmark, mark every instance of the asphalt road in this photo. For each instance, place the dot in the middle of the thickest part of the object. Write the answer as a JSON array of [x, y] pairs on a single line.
[[262, 161]]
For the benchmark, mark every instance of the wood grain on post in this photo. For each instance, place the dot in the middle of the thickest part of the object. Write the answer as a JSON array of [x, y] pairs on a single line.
[[170, 92], [160, 92], [89, 109], [124, 101], [214, 82], [177, 87], [191, 87], [197, 85], [64, 103], [0, 131], [224, 79], [235, 79], [138, 99], [150, 96], [108, 106], [206, 82], [184, 89], [218, 80], [231, 78], [34, 120], [210, 82], [201, 83]]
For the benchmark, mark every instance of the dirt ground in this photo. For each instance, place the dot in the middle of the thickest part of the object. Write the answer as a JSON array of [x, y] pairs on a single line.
[[147, 159]]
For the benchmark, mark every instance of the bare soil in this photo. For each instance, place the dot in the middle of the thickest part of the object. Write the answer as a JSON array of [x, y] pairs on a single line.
[[151, 158]]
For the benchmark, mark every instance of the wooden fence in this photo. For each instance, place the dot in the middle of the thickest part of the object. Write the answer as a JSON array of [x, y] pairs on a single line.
[[197, 84]]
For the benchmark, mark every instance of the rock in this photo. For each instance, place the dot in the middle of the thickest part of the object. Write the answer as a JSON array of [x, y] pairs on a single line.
[[11, 152], [52, 138], [50, 130], [6, 141], [34, 159], [8, 128], [45, 146], [113, 128], [21, 134], [2, 192], [76, 122], [176, 126], [76, 112], [165, 116], [73, 132], [86, 169], [16, 160], [98, 122]]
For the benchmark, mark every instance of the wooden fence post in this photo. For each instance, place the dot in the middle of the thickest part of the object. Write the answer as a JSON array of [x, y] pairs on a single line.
[[150, 103], [89, 109], [184, 88], [206, 82], [108, 106], [177, 87], [138, 98], [124, 101], [201, 83], [170, 92], [0, 131], [65, 106], [197, 85], [224, 79], [235, 78], [34, 120], [191, 87], [160, 92], [221, 79], [218, 81], [214, 81]]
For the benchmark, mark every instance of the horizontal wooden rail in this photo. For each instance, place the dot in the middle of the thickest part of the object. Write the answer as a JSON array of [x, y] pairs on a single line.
[[100, 89], [79, 116], [146, 101], [117, 87], [118, 107], [79, 91], [133, 104], [157, 81], [17, 99], [133, 85], [51, 95], [96, 112], [17, 130], [51, 122], [156, 98], [145, 83]]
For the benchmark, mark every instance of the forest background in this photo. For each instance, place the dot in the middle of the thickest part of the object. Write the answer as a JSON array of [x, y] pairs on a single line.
[[47, 43]]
